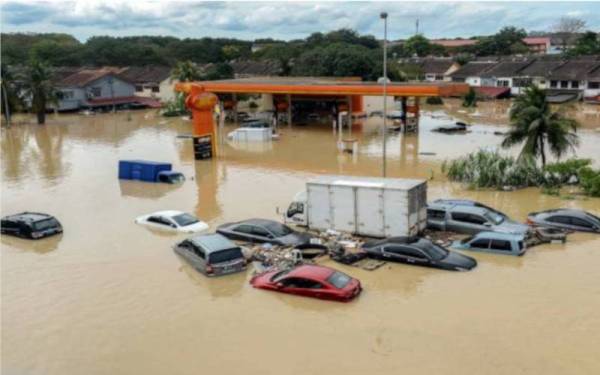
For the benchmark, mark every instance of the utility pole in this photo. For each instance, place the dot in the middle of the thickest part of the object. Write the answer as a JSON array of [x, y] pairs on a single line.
[[384, 16], [417, 27]]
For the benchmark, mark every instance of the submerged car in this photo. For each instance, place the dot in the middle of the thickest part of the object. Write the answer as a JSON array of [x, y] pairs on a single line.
[[468, 202], [310, 281], [568, 219], [264, 231], [172, 221], [32, 225], [470, 219], [418, 251], [493, 242], [212, 254]]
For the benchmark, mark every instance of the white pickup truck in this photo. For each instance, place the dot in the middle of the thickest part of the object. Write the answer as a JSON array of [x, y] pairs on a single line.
[[367, 206]]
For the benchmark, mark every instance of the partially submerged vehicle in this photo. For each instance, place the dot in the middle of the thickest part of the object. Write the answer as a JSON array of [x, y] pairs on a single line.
[[149, 171], [367, 206], [172, 220], [212, 254], [468, 202], [310, 281], [494, 242], [265, 231], [457, 127], [418, 251], [31, 225], [469, 219], [567, 219]]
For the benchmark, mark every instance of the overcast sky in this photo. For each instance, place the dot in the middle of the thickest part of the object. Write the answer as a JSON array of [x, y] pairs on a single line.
[[283, 20]]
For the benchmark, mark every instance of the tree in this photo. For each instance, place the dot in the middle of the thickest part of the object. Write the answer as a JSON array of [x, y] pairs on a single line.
[[185, 71], [9, 100], [587, 44], [38, 88], [470, 98], [218, 71], [338, 60], [533, 123], [566, 30], [418, 45]]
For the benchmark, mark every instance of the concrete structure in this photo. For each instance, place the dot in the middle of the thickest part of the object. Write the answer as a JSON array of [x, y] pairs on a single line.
[[573, 74], [538, 45], [472, 72], [536, 74], [502, 75], [151, 81], [591, 91]]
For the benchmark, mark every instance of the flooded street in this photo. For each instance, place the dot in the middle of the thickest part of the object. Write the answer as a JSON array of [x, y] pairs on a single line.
[[111, 297]]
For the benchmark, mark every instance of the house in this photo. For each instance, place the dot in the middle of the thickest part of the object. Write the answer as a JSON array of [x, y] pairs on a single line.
[[472, 72], [503, 73], [151, 81], [573, 74], [536, 74], [438, 69], [538, 45], [591, 90], [96, 88]]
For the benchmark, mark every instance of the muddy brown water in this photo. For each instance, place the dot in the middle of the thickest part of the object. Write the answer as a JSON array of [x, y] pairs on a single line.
[[111, 297]]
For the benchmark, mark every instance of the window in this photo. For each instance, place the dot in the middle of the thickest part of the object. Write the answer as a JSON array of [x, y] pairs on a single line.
[[564, 84], [279, 230], [338, 279], [155, 89], [244, 229], [297, 282], [522, 82], [553, 83], [295, 208], [262, 232], [434, 251], [468, 218], [481, 244], [158, 220], [67, 94], [226, 255], [574, 84], [581, 223], [45, 224], [185, 219], [501, 245], [405, 251], [199, 251], [593, 85], [436, 214], [96, 91], [139, 88], [502, 83], [560, 220]]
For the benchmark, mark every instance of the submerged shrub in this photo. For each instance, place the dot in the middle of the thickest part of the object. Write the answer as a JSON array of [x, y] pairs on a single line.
[[565, 172], [589, 180]]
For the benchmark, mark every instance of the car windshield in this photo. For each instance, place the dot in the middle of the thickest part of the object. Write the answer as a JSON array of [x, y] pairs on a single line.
[[466, 240], [594, 218], [338, 279], [45, 224], [278, 230], [434, 251], [280, 275], [225, 255], [184, 220], [494, 217]]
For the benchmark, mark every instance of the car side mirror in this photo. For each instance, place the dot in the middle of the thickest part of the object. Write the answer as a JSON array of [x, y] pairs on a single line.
[[488, 224]]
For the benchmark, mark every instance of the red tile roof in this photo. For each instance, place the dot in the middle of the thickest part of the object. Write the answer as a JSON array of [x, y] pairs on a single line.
[[454, 42], [492, 91], [87, 76], [536, 40]]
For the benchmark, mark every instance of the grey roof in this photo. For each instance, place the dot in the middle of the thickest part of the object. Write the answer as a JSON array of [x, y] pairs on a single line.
[[146, 74], [473, 68], [436, 66], [213, 242], [506, 69], [540, 68], [575, 70]]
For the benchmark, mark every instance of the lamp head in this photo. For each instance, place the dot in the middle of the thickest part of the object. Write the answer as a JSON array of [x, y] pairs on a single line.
[[383, 15]]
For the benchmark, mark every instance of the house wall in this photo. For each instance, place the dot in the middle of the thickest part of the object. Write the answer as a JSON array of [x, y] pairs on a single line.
[[473, 81], [103, 86], [165, 91], [590, 89], [72, 98]]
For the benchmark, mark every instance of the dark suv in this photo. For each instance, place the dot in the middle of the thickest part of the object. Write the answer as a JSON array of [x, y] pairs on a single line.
[[30, 225]]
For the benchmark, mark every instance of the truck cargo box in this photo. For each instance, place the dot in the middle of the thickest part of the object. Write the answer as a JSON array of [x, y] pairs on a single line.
[[376, 207], [142, 170]]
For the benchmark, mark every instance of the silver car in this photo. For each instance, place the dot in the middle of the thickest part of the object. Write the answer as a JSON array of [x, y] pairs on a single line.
[[212, 254], [467, 219], [493, 242], [568, 219]]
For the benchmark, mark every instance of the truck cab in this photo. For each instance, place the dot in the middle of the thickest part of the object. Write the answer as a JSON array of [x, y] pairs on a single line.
[[296, 214]]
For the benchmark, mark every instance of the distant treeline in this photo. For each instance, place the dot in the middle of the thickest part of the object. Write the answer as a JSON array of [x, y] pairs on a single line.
[[342, 52]]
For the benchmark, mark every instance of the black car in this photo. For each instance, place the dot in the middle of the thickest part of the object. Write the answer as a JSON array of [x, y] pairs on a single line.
[[264, 231], [418, 251], [30, 225], [568, 219]]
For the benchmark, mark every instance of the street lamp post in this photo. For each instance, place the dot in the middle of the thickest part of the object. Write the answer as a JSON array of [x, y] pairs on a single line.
[[383, 16]]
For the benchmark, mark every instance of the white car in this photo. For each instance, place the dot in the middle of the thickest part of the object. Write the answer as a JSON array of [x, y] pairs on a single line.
[[173, 221]]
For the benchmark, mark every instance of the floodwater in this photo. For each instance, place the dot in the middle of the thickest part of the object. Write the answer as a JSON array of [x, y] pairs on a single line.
[[111, 297]]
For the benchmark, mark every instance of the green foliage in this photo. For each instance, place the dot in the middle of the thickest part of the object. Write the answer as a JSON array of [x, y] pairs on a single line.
[[434, 100], [470, 98], [338, 60], [560, 173], [38, 87], [508, 40], [590, 181], [218, 71], [10, 101], [420, 46], [185, 71], [535, 125], [586, 44], [175, 107], [487, 169]]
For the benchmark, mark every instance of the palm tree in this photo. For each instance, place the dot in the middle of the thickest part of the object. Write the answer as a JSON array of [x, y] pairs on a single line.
[[38, 87], [8, 92], [185, 71], [534, 123]]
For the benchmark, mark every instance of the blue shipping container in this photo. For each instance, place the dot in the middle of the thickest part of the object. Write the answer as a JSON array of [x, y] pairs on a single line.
[[142, 170]]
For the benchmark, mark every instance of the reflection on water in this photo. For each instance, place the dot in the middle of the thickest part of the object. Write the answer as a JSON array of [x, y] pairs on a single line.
[[110, 296]]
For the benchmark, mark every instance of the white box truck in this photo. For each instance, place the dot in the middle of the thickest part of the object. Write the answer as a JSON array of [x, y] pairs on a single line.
[[366, 206]]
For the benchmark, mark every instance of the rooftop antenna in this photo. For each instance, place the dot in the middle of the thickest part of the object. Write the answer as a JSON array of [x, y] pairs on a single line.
[[417, 28]]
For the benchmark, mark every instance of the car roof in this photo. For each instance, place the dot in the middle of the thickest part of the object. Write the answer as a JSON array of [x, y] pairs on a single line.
[[567, 212], [499, 235], [393, 240], [28, 216], [168, 213], [454, 206], [213, 242], [257, 222], [311, 271]]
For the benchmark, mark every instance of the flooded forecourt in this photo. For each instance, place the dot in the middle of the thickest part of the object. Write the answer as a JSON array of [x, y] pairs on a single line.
[[111, 297]]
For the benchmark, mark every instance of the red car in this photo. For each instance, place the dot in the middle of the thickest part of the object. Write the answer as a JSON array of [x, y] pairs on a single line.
[[310, 281]]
